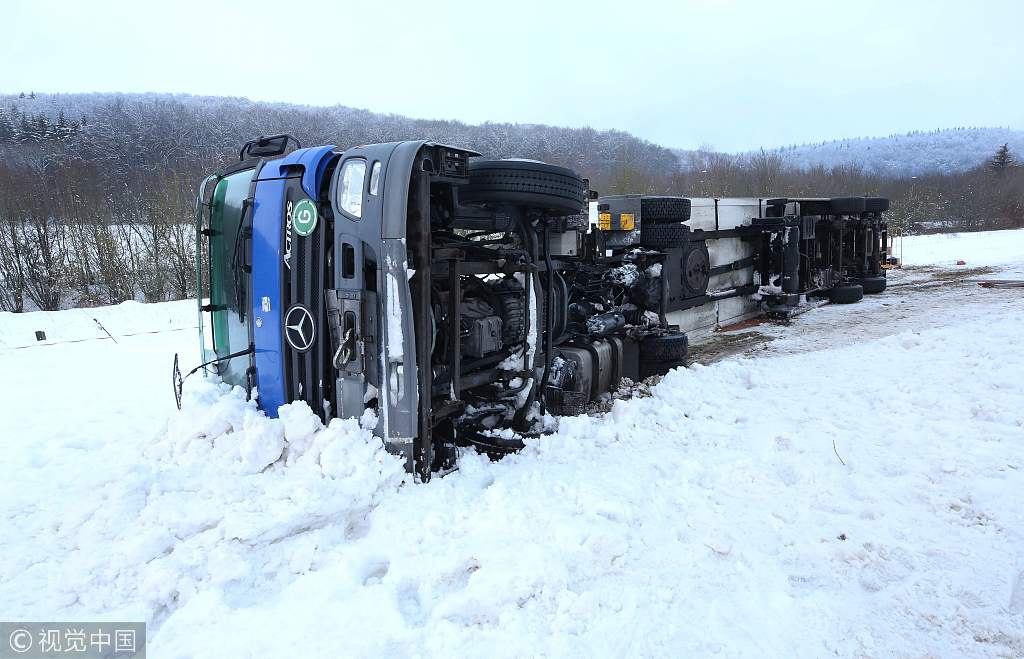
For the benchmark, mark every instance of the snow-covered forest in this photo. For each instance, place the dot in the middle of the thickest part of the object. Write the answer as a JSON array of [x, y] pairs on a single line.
[[97, 190], [943, 151]]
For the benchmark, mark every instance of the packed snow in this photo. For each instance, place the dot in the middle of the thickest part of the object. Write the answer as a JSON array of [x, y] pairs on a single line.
[[854, 487]]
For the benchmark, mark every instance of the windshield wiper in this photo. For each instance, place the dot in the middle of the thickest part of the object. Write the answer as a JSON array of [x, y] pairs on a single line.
[[239, 268]]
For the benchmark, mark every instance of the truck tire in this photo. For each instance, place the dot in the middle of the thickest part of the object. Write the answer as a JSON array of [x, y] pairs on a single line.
[[696, 268], [664, 209], [846, 205], [876, 205], [873, 285], [664, 236], [846, 294], [555, 190], [671, 347], [647, 369]]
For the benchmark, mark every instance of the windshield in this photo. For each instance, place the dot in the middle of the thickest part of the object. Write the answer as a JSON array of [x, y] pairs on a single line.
[[228, 281]]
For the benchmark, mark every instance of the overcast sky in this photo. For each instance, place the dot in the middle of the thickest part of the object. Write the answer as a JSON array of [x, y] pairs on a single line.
[[732, 74]]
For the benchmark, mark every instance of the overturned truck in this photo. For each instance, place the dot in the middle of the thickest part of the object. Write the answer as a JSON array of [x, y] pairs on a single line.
[[462, 299]]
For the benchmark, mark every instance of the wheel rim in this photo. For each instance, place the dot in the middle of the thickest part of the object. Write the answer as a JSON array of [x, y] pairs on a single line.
[[696, 270]]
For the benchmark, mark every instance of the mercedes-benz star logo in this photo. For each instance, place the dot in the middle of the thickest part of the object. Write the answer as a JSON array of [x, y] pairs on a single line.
[[299, 328]]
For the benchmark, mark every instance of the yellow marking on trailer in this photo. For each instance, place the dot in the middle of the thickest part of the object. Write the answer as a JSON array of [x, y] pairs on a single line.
[[627, 222], [604, 221]]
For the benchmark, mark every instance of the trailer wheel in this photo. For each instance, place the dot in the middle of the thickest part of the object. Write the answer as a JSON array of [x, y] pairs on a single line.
[[814, 207], [665, 348], [664, 236], [664, 209], [846, 205], [556, 190], [873, 285], [775, 207], [847, 294], [876, 205], [696, 267]]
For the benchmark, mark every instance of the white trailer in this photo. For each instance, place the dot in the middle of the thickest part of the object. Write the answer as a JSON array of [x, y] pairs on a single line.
[[723, 226]]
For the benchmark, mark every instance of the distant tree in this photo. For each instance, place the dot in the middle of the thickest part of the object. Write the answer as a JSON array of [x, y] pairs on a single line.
[[24, 132], [31, 94], [64, 129], [1002, 161], [42, 128], [767, 169], [21, 95], [6, 128]]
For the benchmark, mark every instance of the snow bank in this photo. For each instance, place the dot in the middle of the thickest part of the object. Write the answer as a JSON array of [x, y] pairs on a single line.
[[984, 248], [226, 500], [217, 424]]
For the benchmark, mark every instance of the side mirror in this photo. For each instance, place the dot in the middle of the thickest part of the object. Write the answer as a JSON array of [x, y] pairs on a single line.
[[263, 146]]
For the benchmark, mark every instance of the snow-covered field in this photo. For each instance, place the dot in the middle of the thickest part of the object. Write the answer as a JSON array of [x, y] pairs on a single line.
[[984, 248], [854, 487]]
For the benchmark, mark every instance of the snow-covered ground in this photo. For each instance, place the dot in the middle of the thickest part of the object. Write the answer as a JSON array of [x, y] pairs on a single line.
[[854, 487], [984, 248]]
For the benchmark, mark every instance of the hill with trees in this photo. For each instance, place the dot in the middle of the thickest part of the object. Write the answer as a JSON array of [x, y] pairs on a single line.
[[97, 190], [206, 131], [912, 154]]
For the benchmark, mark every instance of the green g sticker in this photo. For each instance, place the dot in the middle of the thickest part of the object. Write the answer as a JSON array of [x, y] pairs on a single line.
[[304, 217]]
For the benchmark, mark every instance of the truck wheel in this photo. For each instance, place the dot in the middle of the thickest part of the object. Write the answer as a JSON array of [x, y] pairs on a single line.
[[846, 205], [665, 348], [664, 236], [556, 190], [873, 285], [846, 294], [664, 209], [696, 267], [647, 369]]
